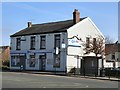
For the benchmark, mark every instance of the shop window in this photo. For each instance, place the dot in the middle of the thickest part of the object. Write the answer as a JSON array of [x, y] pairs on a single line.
[[56, 61], [32, 61], [15, 61]]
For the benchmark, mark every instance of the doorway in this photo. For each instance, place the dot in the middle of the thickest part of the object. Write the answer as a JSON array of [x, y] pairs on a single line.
[[89, 66], [42, 62], [22, 62]]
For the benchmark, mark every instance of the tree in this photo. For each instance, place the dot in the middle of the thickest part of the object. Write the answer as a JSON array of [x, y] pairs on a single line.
[[108, 40], [95, 45]]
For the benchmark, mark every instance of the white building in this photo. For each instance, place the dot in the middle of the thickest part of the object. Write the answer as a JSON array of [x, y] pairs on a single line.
[[55, 46]]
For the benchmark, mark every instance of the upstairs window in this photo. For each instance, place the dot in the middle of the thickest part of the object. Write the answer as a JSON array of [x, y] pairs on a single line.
[[18, 45], [113, 56], [94, 43], [87, 42], [42, 42], [33, 43], [57, 41]]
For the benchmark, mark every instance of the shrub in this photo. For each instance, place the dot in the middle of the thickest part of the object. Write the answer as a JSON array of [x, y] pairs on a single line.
[[5, 67], [73, 70], [6, 63]]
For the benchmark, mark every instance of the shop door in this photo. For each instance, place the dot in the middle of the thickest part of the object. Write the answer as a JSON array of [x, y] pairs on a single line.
[[42, 59]]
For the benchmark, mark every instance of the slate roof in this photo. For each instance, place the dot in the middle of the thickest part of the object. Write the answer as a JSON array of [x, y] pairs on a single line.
[[112, 48], [52, 27]]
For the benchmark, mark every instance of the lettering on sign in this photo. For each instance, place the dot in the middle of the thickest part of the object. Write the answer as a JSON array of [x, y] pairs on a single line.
[[74, 42]]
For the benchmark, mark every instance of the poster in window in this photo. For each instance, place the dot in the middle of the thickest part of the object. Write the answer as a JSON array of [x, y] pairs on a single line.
[[32, 62]]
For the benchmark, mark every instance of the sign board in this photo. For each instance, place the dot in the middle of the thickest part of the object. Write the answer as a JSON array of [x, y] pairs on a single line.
[[74, 42], [23, 38], [63, 45], [56, 50]]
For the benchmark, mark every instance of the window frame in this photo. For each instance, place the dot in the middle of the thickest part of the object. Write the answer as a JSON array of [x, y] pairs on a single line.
[[43, 42], [113, 56], [31, 60], [55, 64], [57, 38], [87, 42], [16, 61], [18, 43], [32, 43]]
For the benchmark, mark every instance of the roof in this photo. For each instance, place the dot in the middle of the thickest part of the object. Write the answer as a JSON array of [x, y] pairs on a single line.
[[112, 48], [4, 46], [52, 27]]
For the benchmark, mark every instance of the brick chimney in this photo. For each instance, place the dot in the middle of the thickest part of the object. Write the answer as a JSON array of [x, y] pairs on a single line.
[[76, 16], [29, 24]]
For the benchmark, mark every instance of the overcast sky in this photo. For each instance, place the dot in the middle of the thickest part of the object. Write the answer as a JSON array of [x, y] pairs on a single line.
[[16, 15]]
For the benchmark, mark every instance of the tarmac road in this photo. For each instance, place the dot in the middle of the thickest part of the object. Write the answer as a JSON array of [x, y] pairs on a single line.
[[26, 80]]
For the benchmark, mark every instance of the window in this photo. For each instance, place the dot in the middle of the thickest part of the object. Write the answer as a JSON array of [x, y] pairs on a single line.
[[57, 41], [113, 56], [15, 61], [56, 61], [87, 42], [94, 43], [17, 43], [33, 43], [32, 61], [42, 42]]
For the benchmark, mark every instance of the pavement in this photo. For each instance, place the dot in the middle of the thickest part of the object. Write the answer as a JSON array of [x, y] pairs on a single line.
[[77, 76]]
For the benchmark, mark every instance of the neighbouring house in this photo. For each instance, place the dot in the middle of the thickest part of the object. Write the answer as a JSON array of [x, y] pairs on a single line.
[[54, 46], [4, 53], [112, 53]]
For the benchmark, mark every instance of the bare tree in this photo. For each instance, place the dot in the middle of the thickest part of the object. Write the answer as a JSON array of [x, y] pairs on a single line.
[[95, 45], [108, 40]]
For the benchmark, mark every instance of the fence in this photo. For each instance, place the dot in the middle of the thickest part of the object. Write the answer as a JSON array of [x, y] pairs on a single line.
[[95, 72]]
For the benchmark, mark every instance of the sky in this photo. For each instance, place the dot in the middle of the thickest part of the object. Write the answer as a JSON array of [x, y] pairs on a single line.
[[15, 15]]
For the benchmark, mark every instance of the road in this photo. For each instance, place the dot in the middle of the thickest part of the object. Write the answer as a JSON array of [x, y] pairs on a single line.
[[26, 80]]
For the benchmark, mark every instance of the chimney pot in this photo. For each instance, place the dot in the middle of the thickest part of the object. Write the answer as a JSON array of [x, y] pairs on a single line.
[[76, 16], [29, 24]]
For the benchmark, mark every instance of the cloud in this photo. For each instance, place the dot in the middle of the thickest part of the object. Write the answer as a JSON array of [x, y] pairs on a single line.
[[28, 6]]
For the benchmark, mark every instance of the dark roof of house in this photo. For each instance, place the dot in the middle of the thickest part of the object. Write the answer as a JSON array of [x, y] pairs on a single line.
[[52, 27], [112, 48], [4, 46]]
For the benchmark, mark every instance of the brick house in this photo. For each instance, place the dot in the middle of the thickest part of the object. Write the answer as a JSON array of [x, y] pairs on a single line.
[[112, 53], [4, 53]]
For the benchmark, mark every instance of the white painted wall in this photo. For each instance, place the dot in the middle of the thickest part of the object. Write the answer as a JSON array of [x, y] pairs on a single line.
[[83, 29], [108, 64], [72, 62], [12, 43]]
